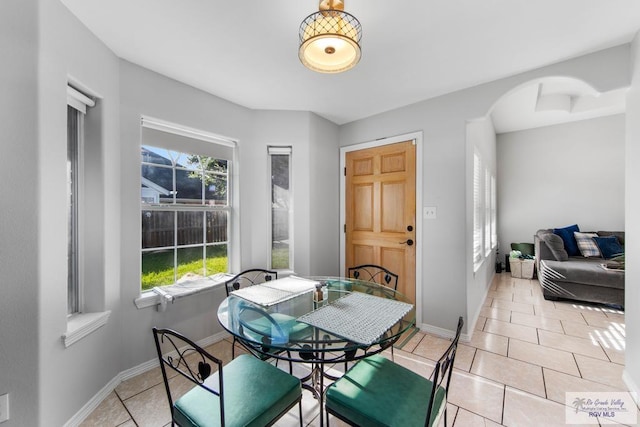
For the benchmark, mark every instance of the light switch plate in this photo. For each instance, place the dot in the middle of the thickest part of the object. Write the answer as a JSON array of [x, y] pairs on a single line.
[[429, 212], [4, 408]]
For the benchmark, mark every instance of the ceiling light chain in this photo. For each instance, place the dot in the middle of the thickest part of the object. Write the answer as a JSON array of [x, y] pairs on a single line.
[[330, 39]]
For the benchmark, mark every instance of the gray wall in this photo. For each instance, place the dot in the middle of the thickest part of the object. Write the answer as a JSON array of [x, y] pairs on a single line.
[[47, 46], [561, 175], [67, 51], [19, 369], [632, 232], [325, 206], [446, 260]]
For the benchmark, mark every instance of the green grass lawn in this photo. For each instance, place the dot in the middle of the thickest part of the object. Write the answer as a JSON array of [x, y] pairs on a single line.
[[280, 257], [157, 267]]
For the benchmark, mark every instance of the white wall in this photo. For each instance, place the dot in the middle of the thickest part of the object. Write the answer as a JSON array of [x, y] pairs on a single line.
[[632, 231], [19, 204], [561, 175], [443, 122]]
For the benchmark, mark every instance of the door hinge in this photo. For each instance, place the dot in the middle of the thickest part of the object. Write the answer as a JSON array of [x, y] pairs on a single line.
[[345, 171], [345, 228]]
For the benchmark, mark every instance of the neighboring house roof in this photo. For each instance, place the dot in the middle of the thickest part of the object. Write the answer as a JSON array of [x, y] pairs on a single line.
[[150, 184]]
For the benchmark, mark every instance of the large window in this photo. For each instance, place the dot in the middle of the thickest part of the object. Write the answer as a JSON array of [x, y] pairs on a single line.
[[281, 248], [185, 208]]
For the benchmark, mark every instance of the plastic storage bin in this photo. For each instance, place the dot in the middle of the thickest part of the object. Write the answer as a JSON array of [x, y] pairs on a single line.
[[521, 268], [516, 267]]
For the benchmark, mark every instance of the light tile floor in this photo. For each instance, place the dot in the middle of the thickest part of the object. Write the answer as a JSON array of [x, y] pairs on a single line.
[[525, 354]]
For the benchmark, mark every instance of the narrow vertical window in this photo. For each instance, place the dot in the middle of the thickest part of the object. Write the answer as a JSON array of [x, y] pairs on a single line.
[[281, 249], [487, 212], [74, 122], [477, 211], [77, 104], [494, 221]]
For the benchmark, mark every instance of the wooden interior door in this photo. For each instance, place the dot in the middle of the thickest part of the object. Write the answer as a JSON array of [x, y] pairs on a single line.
[[380, 210]]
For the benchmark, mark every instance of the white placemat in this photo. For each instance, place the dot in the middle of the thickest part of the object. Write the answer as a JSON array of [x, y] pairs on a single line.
[[358, 317], [263, 295], [293, 284], [275, 291]]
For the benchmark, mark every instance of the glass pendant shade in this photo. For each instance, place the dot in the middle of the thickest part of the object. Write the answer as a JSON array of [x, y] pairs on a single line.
[[330, 41]]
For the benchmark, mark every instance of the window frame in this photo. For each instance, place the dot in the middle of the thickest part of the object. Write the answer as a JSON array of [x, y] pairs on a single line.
[[273, 150], [152, 297], [494, 215], [77, 104], [487, 212], [80, 323], [477, 211]]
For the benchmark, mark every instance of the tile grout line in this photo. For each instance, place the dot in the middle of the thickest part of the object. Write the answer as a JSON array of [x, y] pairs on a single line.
[[126, 409]]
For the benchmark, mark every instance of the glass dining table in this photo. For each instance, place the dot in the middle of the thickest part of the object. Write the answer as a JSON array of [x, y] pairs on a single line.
[[316, 321]]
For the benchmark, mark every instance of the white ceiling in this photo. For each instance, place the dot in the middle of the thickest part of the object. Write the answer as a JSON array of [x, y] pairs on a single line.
[[554, 100], [412, 50]]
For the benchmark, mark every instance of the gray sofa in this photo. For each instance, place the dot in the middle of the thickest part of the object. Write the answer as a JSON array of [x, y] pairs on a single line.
[[576, 278]]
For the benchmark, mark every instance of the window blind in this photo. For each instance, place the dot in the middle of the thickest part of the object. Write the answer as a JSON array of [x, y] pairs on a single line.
[[477, 210], [487, 212], [494, 208]]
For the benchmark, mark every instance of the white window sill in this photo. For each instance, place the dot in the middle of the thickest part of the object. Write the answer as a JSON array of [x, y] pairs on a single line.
[[161, 296], [82, 324]]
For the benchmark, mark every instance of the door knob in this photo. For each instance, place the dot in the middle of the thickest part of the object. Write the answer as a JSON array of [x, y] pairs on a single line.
[[408, 242]]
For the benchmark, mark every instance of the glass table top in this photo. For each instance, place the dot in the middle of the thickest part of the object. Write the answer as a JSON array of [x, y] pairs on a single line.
[[322, 319]]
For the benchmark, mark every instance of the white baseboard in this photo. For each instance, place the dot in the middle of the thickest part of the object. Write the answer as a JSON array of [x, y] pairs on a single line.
[[94, 402], [97, 399], [441, 332]]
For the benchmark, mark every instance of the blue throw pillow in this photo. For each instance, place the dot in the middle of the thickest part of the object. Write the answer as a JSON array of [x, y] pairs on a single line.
[[609, 246], [569, 239]]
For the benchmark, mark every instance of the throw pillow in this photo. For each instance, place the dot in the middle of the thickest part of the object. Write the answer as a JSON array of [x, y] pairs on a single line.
[[569, 239], [556, 246], [586, 244], [609, 246]]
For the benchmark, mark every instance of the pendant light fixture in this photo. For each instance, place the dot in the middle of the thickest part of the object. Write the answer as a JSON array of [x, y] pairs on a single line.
[[330, 39]]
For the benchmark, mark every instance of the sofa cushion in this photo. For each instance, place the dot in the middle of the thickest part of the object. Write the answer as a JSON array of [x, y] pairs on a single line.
[[586, 244], [570, 244], [587, 271], [618, 234], [609, 246], [555, 245]]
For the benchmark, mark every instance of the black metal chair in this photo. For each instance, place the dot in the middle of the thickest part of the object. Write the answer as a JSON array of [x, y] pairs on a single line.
[[375, 273], [250, 277], [377, 391], [244, 279], [255, 330], [246, 391]]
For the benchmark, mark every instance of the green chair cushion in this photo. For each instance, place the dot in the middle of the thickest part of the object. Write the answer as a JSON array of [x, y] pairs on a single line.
[[255, 393], [379, 392]]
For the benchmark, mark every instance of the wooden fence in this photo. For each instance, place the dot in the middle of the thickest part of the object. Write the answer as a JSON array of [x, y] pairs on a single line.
[[158, 228]]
